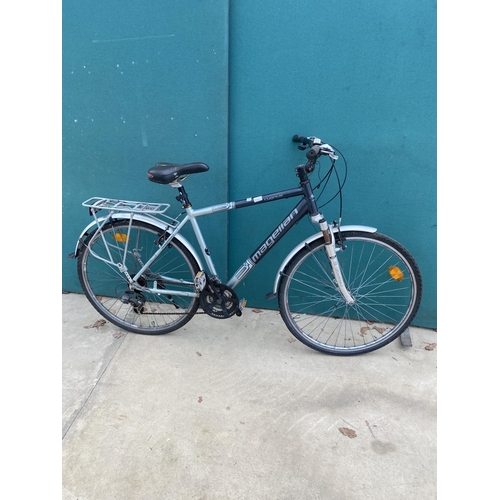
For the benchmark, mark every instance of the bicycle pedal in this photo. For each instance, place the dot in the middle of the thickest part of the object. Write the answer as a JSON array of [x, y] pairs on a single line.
[[241, 305], [200, 281]]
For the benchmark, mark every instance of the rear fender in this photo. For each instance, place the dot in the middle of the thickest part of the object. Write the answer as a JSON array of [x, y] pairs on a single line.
[[143, 218]]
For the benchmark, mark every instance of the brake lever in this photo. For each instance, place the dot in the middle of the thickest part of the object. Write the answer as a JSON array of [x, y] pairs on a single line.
[[326, 149]]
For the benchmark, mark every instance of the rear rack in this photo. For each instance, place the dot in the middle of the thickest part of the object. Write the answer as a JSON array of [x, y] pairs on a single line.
[[95, 204], [126, 209]]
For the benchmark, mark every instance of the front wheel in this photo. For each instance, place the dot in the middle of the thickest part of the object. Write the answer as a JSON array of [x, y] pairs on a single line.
[[381, 275]]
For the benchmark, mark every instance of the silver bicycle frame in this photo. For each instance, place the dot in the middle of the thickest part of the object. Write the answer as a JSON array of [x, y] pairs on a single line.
[[249, 264], [191, 216], [146, 213]]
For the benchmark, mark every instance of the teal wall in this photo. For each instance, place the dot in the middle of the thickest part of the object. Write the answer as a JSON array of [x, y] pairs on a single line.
[[361, 76], [148, 81], [143, 81]]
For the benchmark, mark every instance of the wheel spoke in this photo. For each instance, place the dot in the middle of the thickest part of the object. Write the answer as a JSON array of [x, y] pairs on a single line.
[[316, 312], [142, 310]]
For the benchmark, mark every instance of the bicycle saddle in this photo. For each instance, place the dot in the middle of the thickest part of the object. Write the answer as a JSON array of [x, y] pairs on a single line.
[[165, 173]]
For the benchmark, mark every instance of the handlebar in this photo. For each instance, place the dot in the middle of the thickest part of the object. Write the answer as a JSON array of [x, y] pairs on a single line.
[[307, 141], [316, 147]]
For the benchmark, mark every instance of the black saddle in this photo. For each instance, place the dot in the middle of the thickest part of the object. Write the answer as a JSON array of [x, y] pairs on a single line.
[[166, 173]]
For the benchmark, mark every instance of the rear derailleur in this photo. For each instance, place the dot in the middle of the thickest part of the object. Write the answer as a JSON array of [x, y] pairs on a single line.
[[137, 301]]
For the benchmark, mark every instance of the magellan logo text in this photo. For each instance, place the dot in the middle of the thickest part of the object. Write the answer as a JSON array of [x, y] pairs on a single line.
[[273, 237]]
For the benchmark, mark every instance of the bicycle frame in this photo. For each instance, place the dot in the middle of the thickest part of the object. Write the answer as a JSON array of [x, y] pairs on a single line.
[[297, 213], [307, 205]]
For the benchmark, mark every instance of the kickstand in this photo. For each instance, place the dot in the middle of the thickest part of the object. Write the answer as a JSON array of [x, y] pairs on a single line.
[[406, 338]]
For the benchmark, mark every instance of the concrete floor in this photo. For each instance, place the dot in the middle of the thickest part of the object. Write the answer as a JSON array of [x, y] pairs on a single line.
[[237, 409]]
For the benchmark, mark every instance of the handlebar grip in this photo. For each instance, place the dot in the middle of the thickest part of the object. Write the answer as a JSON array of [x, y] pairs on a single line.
[[313, 153], [302, 139]]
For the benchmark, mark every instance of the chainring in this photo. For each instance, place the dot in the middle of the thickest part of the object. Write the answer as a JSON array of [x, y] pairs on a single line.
[[219, 301]]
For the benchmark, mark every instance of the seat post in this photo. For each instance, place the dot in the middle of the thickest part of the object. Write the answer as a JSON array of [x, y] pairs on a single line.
[[183, 197]]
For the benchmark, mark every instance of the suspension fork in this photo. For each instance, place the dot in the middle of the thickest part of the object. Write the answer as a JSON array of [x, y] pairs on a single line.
[[318, 218], [331, 251]]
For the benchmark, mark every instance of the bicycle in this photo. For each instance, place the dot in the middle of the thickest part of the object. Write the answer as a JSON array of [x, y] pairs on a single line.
[[343, 290]]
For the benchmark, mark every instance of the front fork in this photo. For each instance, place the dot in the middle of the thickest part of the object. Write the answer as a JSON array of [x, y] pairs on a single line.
[[331, 251]]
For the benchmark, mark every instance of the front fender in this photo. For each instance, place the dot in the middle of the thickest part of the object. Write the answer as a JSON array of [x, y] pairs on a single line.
[[143, 218], [301, 245]]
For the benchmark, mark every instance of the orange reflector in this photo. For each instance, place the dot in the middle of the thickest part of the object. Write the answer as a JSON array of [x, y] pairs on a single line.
[[396, 273], [120, 237]]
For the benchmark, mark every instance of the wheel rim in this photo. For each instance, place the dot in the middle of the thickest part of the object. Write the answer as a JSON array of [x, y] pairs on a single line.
[[106, 287], [379, 277]]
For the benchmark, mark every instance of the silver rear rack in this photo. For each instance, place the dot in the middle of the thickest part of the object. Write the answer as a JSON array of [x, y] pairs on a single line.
[[95, 204]]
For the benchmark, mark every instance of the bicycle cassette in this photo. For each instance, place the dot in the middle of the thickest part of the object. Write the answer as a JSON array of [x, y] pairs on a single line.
[[219, 301]]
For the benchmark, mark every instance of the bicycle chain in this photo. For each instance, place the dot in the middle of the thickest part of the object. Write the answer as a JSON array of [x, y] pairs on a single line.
[[174, 313]]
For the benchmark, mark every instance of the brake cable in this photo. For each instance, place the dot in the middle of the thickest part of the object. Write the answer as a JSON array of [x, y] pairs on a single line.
[[327, 178]]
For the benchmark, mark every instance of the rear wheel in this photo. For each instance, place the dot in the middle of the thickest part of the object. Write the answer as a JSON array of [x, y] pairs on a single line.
[[107, 289], [383, 278]]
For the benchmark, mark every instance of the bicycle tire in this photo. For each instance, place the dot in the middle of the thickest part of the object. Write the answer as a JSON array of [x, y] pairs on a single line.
[[107, 288], [383, 278]]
